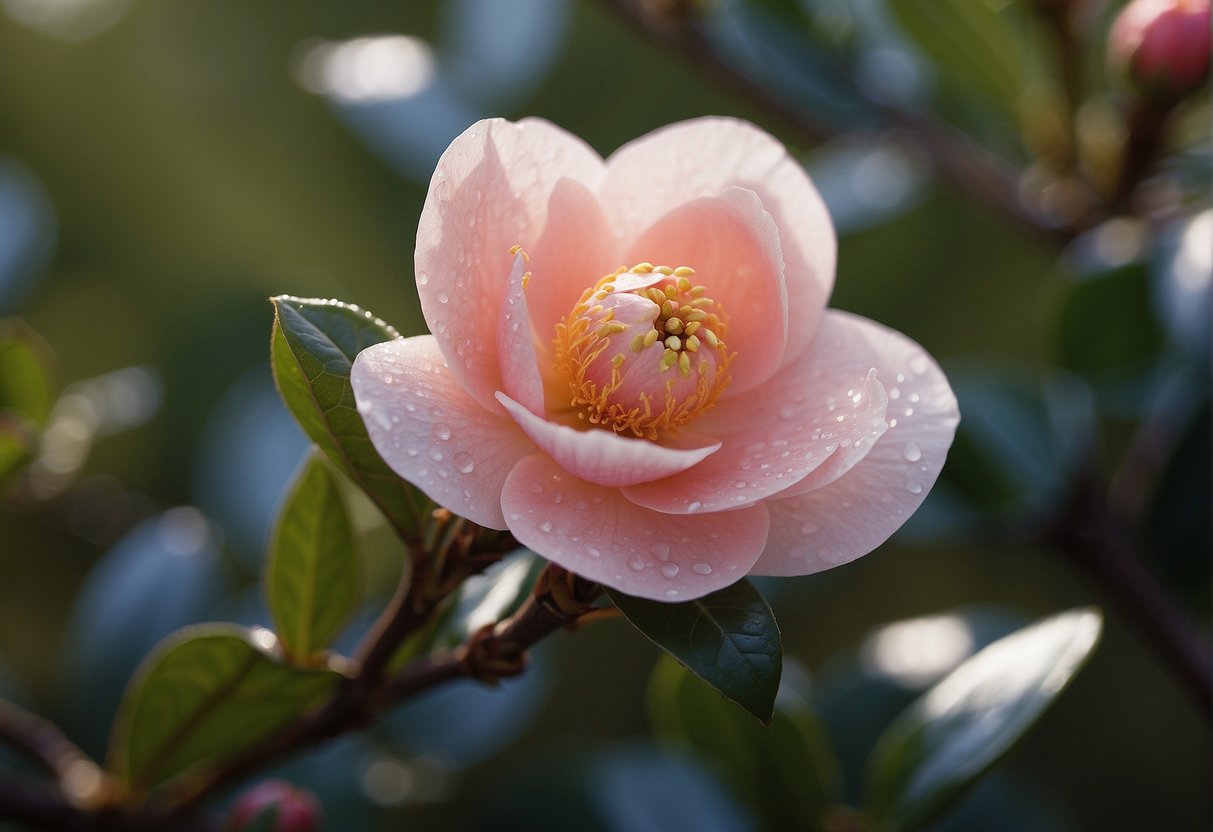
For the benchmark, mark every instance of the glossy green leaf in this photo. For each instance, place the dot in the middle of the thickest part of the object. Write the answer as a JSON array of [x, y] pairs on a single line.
[[975, 42], [787, 771], [25, 372], [729, 639], [314, 344], [312, 570], [481, 599], [1106, 324], [955, 732], [203, 696]]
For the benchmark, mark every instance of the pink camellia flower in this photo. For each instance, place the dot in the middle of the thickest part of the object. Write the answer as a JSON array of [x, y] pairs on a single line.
[[1162, 47], [633, 370]]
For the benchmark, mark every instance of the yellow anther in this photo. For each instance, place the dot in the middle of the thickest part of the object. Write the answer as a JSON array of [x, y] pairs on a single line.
[[667, 360], [697, 315], [684, 271], [669, 309], [673, 326], [642, 268], [696, 291], [638, 342], [514, 249], [691, 343], [673, 343], [699, 302], [650, 337], [710, 337], [684, 284], [703, 366], [684, 365], [671, 291], [618, 360], [666, 270], [526, 278], [692, 327], [616, 328]]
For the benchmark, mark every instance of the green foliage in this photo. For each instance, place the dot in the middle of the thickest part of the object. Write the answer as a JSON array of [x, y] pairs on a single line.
[[977, 42], [313, 346], [312, 569], [787, 770], [729, 639], [26, 393], [955, 732], [203, 696], [1106, 324]]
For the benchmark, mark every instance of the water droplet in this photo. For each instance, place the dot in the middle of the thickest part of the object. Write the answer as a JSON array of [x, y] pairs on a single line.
[[411, 451], [827, 555], [443, 297], [918, 364], [909, 411], [787, 411], [670, 570], [739, 484], [636, 564], [701, 567], [796, 552], [912, 452], [545, 526], [661, 550], [671, 594], [810, 528], [515, 515], [694, 506], [422, 278], [592, 552], [894, 393], [441, 431], [914, 487], [464, 464]]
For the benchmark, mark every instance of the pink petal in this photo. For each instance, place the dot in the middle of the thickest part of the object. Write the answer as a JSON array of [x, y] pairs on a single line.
[[733, 245], [854, 514], [594, 532], [431, 432], [575, 249], [490, 192], [601, 456], [516, 344], [658, 172], [822, 409]]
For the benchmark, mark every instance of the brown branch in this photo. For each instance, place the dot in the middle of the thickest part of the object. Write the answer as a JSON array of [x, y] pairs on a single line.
[[1097, 541], [959, 161]]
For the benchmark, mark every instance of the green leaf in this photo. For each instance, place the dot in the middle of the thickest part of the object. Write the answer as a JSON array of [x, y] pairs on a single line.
[[787, 771], [313, 346], [25, 372], [1106, 324], [954, 733], [976, 42], [481, 599], [729, 639], [312, 569], [204, 695]]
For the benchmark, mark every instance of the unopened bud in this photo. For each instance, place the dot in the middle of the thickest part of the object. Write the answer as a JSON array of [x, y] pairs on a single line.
[[1161, 47], [295, 809]]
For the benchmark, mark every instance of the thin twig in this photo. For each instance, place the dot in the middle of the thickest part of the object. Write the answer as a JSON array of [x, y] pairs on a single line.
[[958, 160]]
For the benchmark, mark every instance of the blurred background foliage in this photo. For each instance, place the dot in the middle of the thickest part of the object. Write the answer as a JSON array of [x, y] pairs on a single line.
[[165, 167]]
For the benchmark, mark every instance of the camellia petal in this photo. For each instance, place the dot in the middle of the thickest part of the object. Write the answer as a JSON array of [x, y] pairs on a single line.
[[855, 513], [809, 412], [654, 174], [490, 192], [733, 246], [516, 344], [603, 457], [593, 531], [431, 432]]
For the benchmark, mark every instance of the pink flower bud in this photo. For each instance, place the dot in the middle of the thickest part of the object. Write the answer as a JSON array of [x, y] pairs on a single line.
[[1161, 47], [297, 809]]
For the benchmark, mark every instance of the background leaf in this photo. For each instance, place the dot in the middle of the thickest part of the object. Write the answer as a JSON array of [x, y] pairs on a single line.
[[314, 344], [312, 568], [786, 771], [729, 639], [206, 694], [946, 740]]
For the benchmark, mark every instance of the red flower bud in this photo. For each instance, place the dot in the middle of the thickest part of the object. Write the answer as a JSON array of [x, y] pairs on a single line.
[[297, 809], [1161, 47]]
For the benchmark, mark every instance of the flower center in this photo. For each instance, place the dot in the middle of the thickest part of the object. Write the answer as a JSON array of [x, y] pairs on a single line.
[[643, 350]]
